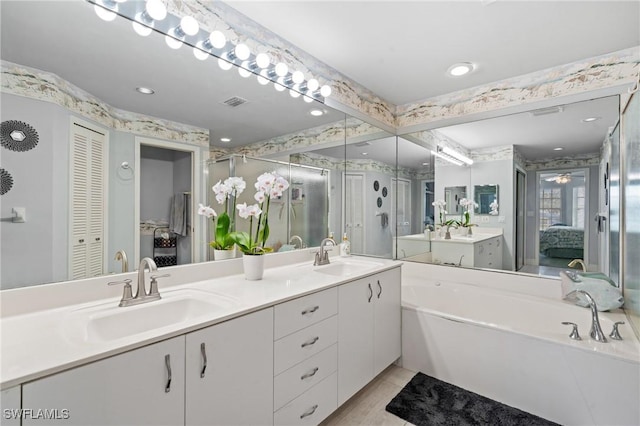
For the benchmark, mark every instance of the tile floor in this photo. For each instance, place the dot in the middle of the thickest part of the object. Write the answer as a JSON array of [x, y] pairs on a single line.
[[367, 406]]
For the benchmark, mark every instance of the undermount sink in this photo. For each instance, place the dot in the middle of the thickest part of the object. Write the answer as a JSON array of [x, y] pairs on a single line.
[[347, 267], [105, 323]]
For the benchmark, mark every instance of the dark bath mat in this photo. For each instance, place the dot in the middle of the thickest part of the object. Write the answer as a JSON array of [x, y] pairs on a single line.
[[426, 401]]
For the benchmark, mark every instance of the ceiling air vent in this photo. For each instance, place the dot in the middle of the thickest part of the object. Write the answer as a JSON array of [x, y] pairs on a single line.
[[235, 101]]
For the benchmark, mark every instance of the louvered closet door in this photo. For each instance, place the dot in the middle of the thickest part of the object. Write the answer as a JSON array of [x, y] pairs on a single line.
[[354, 213], [87, 203]]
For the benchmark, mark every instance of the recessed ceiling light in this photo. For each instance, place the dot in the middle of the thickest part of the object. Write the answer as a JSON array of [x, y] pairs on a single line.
[[425, 164], [145, 90], [365, 153], [316, 112], [460, 69], [590, 119], [558, 149], [225, 140]]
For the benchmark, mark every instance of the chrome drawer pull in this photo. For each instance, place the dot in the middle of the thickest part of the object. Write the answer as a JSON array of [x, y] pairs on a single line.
[[309, 412], [203, 351], [370, 293], [311, 310], [311, 374], [310, 342], [167, 362]]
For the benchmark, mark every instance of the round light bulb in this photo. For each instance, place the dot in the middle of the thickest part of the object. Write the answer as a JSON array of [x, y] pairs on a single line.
[[199, 52], [189, 25], [224, 64], [242, 52], [104, 14], [297, 77], [313, 85], [243, 71], [294, 94], [325, 91], [281, 69], [156, 10], [280, 85], [307, 99], [172, 42], [140, 29], [263, 78], [217, 39], [262, 60]]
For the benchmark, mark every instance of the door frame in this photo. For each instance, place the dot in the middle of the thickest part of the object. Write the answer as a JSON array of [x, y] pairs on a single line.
[[197, 231]]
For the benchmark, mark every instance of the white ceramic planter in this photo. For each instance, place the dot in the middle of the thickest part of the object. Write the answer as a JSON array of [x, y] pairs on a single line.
[[224, 254], [253, 266]]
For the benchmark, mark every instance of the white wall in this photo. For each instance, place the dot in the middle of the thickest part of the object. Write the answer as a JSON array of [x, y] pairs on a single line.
[[36, 251]]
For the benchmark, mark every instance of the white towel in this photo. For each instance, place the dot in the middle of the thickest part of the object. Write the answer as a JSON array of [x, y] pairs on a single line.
[[178, 220]]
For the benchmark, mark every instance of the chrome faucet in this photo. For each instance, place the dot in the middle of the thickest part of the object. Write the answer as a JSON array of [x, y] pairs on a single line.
[[122, 255], [141, 295], [596, 331], [298, 239], [322, 256], [575, 262]]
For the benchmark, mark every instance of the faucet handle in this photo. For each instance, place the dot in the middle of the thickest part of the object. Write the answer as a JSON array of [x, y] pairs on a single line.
[[126, 293], [615, 334], [153, 291], [574, 333]]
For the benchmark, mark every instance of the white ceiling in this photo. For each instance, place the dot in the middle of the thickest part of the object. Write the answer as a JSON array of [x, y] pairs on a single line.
[[401, 50]]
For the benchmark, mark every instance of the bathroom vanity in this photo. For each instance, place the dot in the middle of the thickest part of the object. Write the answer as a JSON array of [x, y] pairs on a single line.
[[477, 250], [288, 349]]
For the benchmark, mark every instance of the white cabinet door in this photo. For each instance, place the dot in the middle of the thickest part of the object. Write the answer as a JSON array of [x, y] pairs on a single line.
[[355, 336], [141, 387], [10, 406], [387, 313], [235, 384]]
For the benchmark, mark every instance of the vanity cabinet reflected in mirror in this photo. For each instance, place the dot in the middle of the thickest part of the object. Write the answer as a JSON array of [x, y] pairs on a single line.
[[150, 158], [532, 174]]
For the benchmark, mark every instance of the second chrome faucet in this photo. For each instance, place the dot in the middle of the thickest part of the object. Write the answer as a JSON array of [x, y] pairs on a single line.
[[141, 296]]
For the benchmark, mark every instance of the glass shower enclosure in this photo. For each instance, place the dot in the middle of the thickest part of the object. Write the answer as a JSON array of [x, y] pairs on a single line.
[[303, 210]]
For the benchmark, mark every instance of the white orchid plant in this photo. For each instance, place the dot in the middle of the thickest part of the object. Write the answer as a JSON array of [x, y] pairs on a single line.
[[467, 206], [225, 191], [440, 204], [268, 186]]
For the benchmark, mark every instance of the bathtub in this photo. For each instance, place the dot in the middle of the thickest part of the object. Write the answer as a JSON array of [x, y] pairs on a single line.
[[511, 347]]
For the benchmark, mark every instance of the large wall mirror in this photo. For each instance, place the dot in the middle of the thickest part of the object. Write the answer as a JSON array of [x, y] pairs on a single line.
[[536, 191], [159, 153]]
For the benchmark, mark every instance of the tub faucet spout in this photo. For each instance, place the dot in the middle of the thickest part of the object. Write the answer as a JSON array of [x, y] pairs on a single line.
[[596, 331], [575, 262]]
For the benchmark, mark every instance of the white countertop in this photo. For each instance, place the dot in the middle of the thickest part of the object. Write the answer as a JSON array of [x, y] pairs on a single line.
[[40, 343], [466, 239]]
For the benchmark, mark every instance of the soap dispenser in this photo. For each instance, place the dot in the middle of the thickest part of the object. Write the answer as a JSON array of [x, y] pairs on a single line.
[[345, 246]]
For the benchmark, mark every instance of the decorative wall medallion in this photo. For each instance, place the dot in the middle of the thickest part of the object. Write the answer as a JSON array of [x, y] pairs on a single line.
[[379, 202], [6, 181], [18, 135], [376, 185], [384, 191]]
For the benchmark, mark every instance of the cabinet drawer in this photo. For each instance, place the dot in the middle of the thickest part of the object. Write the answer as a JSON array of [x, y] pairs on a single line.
[[305, 311], [311, 407], [305, 343], [298, 379]]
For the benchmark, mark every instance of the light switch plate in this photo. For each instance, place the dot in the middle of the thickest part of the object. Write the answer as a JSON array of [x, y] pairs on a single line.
[[501, 219]]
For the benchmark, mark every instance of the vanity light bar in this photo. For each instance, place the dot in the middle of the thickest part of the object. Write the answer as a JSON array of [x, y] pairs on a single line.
[[152, 15], [457, 155], [446, 157]]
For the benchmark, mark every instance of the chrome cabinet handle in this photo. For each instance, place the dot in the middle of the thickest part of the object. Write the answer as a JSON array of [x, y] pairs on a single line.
[[311, 374], [310, 310], [167, 362], [380, 289], [310, 342], [370, 293], [203, 351], [309, 412]]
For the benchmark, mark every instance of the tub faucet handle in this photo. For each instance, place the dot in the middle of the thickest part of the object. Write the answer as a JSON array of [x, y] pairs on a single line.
[[574, 332], [615, 334]]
